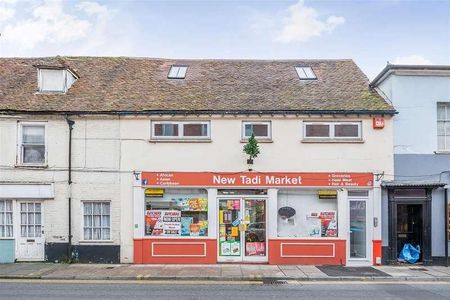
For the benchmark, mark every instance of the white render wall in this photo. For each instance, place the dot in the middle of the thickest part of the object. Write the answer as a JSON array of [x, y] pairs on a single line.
[[107, 150]]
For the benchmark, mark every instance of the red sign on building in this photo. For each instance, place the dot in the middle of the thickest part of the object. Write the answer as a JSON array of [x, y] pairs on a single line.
[[248, 179], [378, 123]]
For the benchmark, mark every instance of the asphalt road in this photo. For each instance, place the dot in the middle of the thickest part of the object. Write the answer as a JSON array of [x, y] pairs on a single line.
[[33, 289]]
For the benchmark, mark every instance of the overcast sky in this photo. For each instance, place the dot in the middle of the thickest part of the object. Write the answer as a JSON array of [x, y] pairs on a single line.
[[370, 32]]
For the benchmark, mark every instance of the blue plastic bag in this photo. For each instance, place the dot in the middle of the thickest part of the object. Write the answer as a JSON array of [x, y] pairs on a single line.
[[410, 253]]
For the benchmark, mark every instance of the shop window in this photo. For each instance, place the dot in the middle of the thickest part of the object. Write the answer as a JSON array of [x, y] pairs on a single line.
[[180, 130], [262, 130], [176, 212], [97, 221], [332, 130], [302, 213], [32, 144], [6, 219]]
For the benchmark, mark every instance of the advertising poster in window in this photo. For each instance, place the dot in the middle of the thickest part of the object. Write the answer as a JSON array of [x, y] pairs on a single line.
[[160, 222], [328, 223]]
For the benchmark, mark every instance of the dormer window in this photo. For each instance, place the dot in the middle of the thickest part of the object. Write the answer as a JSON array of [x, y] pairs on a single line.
[[177, 72], [55, 80], [305, 73]]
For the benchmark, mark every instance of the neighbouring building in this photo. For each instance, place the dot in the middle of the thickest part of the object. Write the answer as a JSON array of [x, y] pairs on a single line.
[[140, 160], [415, 203]]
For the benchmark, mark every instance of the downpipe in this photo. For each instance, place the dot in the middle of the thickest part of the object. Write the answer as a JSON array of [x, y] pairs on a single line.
[[70, 123]]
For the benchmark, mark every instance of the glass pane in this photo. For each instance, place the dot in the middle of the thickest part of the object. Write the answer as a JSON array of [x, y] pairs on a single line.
[[261, 130], [97, 221], [173, 72], [346, 130], [166, 129], [23, 218], [30, 207], [30, 231], [97, 208], [96, 234], [30, 218], [9, 231], [37, 207], [23, 231], [106, 234], [105, 221], [33, 154], [195, 130], [255, 235], [88, 234], [248, 130], [357, 229], [32, 134], [87, 208], [2, 206], [8, 218], [37, 219], [447, 108], [52, 80], [301, 72], [182, 72], [2, 219], [8, 206], [229, 227], [441, 128], [441, 142], [317, 130], [440, 112], [105, 209], [38, 232], [309, 73], [87, 221], [23, 207]]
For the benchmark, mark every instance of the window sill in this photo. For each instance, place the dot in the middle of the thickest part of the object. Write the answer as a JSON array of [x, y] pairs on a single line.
[[96, 241], [442, 152], [7, 238], [333, 141], [258, 140], [30, 166], [180, 141]]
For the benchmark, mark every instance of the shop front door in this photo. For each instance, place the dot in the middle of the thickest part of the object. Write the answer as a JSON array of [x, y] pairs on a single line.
[[30, 242], [242, 230], [360, 239]]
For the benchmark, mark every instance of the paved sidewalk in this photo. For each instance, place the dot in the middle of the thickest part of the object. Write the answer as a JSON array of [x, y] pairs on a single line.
[[222, 272]]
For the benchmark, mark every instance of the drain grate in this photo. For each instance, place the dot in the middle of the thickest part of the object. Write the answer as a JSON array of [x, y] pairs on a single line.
[[418, 269], [109, 268], [274, 282]]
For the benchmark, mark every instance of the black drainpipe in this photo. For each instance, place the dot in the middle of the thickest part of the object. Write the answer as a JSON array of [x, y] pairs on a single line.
[[69, 181]]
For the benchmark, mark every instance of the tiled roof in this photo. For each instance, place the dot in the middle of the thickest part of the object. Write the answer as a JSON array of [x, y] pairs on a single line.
[[120, 84]]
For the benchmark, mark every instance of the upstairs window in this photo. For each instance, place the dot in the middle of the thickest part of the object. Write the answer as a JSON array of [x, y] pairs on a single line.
[[177, 72], [54, 80], [262, 130], [332, 130], [180, 130], [443, 126], [32, 144], [305, 73]]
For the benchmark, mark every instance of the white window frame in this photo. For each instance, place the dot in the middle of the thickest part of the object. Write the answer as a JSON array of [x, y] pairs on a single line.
[[446, 106], [20, 141], [82, 239], [180, 135], [269, 130], [177, 76], [332, 130], [12, 219]]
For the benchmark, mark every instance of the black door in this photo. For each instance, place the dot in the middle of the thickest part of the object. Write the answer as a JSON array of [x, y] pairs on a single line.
[[409, 226]]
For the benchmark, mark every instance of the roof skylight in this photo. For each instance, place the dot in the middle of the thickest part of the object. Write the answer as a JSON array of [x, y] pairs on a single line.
[[177, 72], [305, 73]]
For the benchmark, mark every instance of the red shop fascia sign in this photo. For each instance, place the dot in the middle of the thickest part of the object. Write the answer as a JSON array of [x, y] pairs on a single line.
[[256, 179]]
